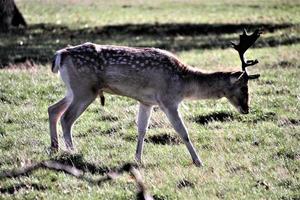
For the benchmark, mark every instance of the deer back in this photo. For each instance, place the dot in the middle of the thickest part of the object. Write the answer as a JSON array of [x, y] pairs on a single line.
[[140, 73]]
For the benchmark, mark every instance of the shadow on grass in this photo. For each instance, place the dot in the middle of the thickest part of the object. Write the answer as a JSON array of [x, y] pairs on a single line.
[[183, 29], [183, 183], [287, 153], [78, 161], [261, 116], [288, 122], [12, 189], [163, 139], [257, 116], [215, 116], [76, 166], [160, 139], [38, 42]]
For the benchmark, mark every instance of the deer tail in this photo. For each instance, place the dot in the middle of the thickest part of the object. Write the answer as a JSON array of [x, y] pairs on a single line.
[[57, 60]]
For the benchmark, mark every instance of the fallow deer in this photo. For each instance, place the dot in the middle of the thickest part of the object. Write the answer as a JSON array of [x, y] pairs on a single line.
[[149, 75]]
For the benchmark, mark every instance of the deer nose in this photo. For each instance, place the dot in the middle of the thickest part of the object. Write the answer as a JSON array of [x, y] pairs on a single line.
[[243, 110]]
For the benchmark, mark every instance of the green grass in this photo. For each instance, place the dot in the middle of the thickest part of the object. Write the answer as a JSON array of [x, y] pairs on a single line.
[[93, 13], [254, 156]]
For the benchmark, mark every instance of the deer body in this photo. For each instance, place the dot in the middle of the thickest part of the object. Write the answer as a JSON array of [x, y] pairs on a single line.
[[146, 79], [151, 76]]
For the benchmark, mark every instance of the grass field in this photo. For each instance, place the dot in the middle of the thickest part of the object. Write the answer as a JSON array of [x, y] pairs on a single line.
[[254, 156]]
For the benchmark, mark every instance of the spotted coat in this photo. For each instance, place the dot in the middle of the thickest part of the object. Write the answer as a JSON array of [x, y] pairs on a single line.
[[89, 56]]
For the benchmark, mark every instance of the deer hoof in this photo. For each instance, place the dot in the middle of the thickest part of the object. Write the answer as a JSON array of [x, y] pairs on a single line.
[[198, 163], [138, 160], [52, 150]]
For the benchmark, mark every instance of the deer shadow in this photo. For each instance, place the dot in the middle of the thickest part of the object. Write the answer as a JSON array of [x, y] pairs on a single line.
[[163, 139], [211, 117]]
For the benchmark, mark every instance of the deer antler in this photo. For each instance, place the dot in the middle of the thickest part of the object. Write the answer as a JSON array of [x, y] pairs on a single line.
[[246, 41]]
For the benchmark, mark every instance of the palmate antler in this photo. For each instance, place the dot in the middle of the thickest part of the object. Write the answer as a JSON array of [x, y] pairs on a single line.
[[246, 41]]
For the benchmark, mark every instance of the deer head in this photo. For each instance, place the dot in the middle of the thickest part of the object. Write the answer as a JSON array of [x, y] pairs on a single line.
[[238, 95]]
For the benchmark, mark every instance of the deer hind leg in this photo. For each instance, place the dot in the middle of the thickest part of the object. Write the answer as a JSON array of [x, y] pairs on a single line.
[[55, 111], [177, 122], [143, 123], [78, 105]]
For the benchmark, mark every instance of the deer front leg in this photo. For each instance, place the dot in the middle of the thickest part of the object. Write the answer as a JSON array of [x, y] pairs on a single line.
[[55, 111], [76, 108], [176, 121], [143, 123]]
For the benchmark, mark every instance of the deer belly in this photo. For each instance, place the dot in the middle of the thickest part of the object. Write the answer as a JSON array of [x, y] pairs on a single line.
[[140, 85], [143, 94]]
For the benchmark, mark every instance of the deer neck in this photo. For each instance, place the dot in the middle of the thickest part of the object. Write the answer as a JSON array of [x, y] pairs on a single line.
[[200, 85]]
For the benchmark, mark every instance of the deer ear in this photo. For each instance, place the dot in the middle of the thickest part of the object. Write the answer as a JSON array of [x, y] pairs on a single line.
[[238, 80]]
